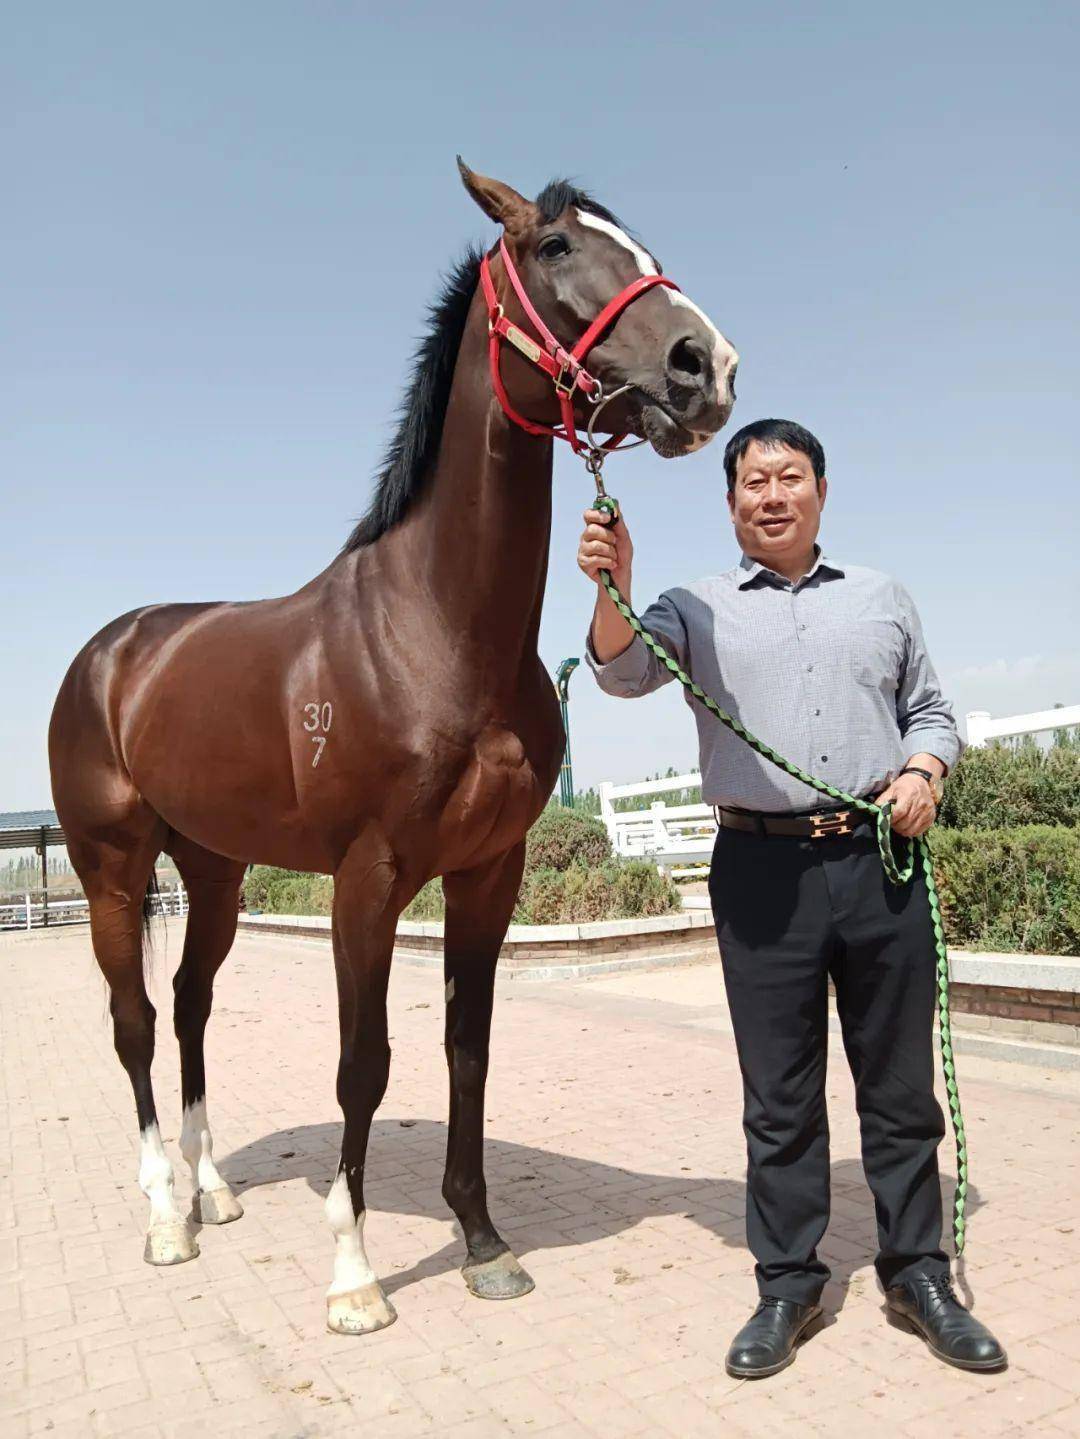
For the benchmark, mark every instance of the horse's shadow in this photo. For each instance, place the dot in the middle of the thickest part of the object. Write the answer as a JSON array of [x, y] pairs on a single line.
[[536, 1193]]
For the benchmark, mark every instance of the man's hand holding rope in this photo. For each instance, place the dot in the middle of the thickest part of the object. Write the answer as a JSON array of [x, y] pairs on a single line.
[[913, 805]]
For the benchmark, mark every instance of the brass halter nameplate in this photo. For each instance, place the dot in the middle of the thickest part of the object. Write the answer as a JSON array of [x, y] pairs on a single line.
[[830, 824], [520, 341]]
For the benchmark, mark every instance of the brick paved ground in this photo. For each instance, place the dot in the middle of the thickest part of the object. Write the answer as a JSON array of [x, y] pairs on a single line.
[[614, 1162]]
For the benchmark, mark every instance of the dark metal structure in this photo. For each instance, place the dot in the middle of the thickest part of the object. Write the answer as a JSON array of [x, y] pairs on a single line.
[[33, 829], [562, 689]]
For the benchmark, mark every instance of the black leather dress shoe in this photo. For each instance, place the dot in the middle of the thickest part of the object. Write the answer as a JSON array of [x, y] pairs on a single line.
[[928, 1306], [766, 1342]]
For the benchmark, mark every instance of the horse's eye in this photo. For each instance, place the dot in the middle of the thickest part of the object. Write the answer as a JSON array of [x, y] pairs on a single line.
[[553, 247]]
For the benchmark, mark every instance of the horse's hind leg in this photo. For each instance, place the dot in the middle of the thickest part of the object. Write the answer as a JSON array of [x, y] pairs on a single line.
[[213, 886], [479, 904], [115, 867]]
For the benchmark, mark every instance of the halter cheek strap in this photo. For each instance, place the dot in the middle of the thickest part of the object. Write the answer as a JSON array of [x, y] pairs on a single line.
[[565, 368]]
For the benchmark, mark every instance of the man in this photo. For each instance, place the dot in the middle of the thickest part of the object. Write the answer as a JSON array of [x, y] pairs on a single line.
[[827, 664]]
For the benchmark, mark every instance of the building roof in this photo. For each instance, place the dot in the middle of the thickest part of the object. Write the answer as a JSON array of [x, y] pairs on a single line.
[[21, 828]]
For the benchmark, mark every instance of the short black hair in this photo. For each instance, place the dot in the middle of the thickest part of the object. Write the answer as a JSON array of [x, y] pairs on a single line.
[[771, 435]]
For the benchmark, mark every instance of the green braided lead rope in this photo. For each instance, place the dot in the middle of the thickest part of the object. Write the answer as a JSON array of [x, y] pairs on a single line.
[[897, 874]]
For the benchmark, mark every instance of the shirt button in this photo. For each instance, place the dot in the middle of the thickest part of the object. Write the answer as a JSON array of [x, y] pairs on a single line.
[[802, 627], [815, 711], [809, 668], [824, 759]]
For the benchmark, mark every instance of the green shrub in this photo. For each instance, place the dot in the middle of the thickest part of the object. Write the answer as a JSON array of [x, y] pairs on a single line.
[[562, 837], [288, 891], [1003, 786], [428, 904], [641, 890], [616, 889], [1012, 890], [570, 877]]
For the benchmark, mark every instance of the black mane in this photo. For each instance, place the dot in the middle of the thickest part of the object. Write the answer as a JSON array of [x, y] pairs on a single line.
[[411, 453], [559, 195]]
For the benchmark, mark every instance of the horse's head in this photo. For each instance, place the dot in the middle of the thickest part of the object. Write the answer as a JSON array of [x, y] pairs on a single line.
[[573, 258]]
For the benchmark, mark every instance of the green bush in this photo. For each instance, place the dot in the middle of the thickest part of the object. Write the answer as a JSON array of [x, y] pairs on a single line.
[[428, 904], [616, 889], [1013, 890], [563, 837], [1003, 786], [288, 891]]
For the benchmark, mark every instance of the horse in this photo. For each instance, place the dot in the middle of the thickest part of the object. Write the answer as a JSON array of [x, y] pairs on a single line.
[[389, 722]]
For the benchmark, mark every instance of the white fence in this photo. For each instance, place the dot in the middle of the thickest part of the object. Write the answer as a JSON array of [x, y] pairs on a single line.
[[679, 838], [29, 912], [981, 728]]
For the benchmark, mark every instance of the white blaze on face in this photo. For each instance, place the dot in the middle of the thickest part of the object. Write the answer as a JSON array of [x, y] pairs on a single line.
[[351, 1267], [724, 357], [156, 1176], [197, 1147], [645, 262]]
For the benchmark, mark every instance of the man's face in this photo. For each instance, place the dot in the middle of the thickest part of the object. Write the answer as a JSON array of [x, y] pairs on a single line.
[[776, 503]]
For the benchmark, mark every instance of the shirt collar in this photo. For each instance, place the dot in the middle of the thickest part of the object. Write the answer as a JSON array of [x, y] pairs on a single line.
[[752, 569]]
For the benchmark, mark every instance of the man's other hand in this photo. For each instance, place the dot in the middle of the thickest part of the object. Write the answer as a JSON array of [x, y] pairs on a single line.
[[914, 810]]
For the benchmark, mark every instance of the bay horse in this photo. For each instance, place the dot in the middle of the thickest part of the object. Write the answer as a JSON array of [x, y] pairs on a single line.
[[389, 722]]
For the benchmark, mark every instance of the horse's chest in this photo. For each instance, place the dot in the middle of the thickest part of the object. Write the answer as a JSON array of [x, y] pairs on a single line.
[[496, 798]]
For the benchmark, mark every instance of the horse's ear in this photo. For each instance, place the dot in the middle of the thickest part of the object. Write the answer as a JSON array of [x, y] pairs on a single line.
[[499, 202]]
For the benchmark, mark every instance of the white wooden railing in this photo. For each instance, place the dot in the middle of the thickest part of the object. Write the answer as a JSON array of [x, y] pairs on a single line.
[[28, 912], [981, 728], [679, 838]]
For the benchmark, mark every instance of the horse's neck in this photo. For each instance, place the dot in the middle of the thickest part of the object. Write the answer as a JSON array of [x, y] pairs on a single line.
[[478, 541]]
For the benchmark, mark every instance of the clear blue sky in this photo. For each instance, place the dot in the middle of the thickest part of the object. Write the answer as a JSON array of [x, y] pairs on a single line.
[[223, 224]]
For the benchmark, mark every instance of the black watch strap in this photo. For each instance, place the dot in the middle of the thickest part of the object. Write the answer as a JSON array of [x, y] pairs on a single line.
[[914, 769]]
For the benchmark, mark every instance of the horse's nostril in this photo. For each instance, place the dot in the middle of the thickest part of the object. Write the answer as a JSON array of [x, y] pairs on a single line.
[[688, 360]]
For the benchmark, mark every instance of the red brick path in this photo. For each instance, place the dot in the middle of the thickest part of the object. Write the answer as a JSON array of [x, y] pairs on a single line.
[[615, 1168]]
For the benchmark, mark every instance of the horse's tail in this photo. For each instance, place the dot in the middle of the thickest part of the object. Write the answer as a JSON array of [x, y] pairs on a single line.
[[148, 910]]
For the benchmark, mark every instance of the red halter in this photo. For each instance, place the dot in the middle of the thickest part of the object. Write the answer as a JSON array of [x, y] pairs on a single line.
[[565, 368]]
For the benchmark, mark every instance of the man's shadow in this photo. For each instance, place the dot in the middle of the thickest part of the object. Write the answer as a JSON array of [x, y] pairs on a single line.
[[526, 1183]]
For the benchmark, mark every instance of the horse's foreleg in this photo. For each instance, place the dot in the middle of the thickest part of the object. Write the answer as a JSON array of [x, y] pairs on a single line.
[[213, 885], [479, 904], [368, 897]]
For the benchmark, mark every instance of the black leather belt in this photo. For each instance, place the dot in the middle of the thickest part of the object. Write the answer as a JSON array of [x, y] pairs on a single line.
[[827, 824]]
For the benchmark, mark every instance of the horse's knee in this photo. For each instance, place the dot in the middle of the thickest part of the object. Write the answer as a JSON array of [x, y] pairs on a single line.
[[133, 1018], [192, 1002], [363, 1075]]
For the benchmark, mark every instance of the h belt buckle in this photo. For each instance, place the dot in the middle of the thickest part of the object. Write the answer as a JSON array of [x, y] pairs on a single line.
[[828, 824]]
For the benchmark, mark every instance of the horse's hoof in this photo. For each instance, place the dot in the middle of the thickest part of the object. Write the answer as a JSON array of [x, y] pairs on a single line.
[[216, 1206], [361, 1311], [170, 1243], [501, 1278]]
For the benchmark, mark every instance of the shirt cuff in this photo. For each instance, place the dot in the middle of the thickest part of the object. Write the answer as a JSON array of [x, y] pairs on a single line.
[[943, 744], [624, 675]]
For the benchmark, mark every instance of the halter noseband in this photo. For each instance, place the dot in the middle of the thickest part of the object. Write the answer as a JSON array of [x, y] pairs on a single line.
[[565, 368]]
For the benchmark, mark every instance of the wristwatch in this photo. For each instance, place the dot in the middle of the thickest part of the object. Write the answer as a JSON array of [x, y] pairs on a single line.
[[937, 789]]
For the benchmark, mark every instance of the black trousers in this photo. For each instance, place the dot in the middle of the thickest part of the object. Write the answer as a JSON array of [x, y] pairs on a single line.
[[789, 913]]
